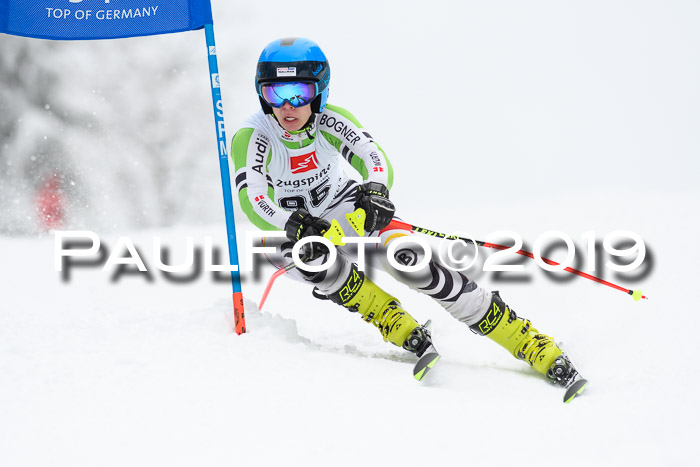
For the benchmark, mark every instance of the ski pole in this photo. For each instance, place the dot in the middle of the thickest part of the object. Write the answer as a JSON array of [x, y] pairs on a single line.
[[272, 280], [357, 218], [335, 234], [394, 224]]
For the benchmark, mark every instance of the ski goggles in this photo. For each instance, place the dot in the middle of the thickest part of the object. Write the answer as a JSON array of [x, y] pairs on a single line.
[[298, 94]]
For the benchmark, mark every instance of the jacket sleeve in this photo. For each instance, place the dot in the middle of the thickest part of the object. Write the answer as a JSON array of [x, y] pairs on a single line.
[[344, 132], [251, 153]]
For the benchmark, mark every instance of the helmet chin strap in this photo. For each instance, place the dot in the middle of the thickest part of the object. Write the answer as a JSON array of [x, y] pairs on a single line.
[[308, 124]]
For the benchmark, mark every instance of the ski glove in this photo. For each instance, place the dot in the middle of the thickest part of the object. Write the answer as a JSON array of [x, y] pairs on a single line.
[[373, 197], [302, 224]]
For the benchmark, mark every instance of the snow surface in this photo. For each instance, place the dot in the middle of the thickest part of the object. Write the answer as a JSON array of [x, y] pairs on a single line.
[[572, 117], [142, 373]]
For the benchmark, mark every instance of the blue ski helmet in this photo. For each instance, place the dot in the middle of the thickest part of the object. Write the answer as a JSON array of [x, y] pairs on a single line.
[[294, 59]]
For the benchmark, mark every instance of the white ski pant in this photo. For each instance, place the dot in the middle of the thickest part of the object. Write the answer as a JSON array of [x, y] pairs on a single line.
[[462, 298]]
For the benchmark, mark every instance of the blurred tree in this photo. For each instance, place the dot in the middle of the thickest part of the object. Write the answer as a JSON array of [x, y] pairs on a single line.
[[119, 125]]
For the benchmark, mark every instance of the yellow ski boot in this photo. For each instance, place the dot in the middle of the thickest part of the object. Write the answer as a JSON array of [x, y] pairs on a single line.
[[523, 341], [359, 294]]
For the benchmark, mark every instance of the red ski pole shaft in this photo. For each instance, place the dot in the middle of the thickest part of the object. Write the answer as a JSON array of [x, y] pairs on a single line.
[[334, 234], [636, 294], [272, 280]]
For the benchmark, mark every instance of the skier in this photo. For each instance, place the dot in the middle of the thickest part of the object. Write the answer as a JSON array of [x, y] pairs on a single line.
[[291, 175]]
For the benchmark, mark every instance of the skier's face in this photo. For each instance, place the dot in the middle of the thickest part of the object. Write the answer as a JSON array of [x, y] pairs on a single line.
[[292, 118]]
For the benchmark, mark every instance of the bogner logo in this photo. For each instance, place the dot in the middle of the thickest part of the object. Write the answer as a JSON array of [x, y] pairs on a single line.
[[304, 163], [407, 257]]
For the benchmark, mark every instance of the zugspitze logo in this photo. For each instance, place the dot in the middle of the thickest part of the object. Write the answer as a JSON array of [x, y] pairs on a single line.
[[304, 163]]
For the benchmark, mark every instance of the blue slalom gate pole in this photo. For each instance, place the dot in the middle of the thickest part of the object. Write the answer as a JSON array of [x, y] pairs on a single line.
[[238, 311]]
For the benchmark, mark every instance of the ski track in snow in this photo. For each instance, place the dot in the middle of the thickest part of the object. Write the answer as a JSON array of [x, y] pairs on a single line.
[[287, 330]]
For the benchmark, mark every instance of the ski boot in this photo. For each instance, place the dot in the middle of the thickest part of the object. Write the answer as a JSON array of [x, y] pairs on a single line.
[[517, 335], [359, 294]]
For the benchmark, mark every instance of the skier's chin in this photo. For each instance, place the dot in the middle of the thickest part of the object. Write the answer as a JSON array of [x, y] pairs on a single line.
[[292, 119], [291, 123]]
